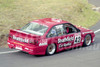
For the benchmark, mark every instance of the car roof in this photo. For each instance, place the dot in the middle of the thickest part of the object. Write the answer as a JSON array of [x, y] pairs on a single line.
[[50, 21]]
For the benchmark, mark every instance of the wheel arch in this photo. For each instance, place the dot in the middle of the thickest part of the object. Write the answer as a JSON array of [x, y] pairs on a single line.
[[85, 37], [48, 45]]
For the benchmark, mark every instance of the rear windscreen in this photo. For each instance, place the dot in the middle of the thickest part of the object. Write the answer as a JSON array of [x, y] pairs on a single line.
[[35, 28]]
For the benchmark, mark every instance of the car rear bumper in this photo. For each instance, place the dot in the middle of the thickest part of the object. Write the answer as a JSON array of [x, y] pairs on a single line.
[[29, 49]]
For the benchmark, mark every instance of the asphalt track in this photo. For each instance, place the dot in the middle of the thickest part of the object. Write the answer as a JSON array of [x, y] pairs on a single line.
[[80, 57], [95, 2]]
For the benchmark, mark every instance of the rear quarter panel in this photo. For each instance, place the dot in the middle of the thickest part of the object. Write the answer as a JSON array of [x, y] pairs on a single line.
[[86, 31]]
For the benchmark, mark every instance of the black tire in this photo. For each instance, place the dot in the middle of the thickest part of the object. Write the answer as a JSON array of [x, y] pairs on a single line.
[[51, 49], [87, 41]]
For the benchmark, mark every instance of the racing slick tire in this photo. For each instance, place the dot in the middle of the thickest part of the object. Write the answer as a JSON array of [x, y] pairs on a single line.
[[88, 40], [51, 49]]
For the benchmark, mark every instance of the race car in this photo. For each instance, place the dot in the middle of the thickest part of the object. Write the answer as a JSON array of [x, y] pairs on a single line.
[[48, 36]]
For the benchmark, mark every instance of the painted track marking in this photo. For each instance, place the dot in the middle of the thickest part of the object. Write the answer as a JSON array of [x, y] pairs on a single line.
[[97, 31], [9, 52]]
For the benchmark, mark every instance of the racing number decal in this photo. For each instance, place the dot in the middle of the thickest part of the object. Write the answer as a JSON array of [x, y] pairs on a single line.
[[77, 39]]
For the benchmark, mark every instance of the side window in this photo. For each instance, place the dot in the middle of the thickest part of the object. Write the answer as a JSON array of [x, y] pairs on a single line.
[[57, 30], [52, 32], [60, 30], [70, 28]]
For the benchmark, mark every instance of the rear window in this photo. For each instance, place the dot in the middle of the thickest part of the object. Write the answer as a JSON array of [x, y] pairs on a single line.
[[35, 28]]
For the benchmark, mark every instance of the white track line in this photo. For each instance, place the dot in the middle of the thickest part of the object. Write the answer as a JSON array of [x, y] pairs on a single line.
[[97, 31], [19, 50], [9, 52]]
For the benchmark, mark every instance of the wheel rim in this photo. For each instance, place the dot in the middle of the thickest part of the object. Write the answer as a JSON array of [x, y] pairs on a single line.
[[88, 40], [51, 48]]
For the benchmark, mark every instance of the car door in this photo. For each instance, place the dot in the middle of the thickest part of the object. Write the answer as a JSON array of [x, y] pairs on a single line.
[[55, 34], [62, 38], [71, 30], [65, 40]]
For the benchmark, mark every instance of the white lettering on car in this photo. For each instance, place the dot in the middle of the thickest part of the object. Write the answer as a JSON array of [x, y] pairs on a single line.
[[87, 32], [43, 42], [64, 45], [77, 38], [20, 39], [66, 39]]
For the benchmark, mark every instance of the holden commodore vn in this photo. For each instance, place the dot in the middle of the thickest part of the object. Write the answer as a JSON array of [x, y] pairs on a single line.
[[48, 36]]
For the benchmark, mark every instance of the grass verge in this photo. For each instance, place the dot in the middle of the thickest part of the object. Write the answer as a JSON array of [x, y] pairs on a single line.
[[16, 13]]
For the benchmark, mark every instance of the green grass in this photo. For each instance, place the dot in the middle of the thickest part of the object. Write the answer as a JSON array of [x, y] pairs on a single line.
[[16, 13]]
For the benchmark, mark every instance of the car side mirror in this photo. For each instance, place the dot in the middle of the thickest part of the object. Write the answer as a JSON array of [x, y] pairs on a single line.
[[78, 30]]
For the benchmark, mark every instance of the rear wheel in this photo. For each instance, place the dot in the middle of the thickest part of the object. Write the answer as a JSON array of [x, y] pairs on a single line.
[[87, 40], [51, 49]]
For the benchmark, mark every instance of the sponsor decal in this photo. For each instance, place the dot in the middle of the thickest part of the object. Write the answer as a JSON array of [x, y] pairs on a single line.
[[19, 48], [26, 48], [43, 42], [20, 39], [87, 32], [64, 45], [66, 39], [19, 43], [77, 38]]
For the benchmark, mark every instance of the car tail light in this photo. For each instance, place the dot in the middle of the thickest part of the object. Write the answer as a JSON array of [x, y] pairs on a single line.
[[33, 42], [10, 36]]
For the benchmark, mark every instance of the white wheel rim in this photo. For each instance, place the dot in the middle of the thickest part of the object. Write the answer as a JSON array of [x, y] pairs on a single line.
[[51, 48], [88, 40]]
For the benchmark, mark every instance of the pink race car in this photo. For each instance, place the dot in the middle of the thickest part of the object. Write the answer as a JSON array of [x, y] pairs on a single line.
[[49, 35]]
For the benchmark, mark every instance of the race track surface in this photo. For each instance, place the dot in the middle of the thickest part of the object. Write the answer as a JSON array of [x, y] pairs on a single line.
[[95, 2]]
